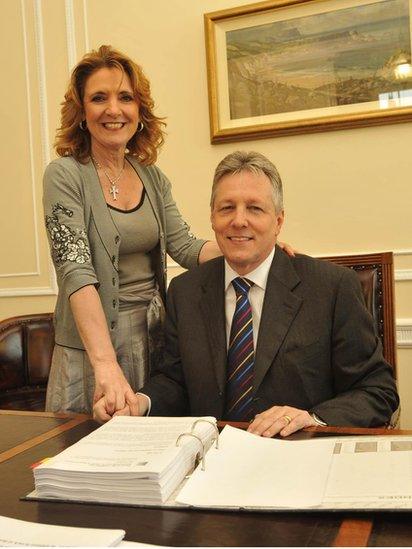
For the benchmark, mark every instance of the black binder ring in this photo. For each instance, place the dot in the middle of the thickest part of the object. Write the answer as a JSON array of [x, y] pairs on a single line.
[[202, 455], [213, 425]]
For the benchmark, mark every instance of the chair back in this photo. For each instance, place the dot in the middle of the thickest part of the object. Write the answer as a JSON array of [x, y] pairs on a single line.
[[26, 347], [375, 272]]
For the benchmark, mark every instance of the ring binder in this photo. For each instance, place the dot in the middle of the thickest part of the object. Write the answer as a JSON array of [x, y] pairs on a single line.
[[213, 424], [202, 457], [129, 460]]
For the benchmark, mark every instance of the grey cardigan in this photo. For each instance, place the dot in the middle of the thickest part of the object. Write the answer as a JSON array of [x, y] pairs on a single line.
[[85, 242]]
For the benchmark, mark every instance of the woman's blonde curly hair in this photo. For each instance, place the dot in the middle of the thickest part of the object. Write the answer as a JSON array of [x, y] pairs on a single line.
[[71, 140]]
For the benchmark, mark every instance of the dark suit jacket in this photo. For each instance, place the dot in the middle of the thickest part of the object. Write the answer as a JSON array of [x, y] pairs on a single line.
[[316, 349]]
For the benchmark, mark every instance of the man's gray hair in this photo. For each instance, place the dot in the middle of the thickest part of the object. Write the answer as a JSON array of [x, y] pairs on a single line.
[[239, 161]]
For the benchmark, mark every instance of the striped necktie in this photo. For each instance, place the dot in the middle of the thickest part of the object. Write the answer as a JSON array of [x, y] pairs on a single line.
[[240, 356]]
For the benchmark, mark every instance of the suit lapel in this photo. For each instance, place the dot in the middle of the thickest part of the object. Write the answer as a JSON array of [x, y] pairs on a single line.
[[280, 307], [212, 308]]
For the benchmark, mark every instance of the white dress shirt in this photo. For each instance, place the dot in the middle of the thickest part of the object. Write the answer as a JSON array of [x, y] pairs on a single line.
[[259, 278]]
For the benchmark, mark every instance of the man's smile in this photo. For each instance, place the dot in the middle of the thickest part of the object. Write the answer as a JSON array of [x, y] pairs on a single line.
[[240, 238]]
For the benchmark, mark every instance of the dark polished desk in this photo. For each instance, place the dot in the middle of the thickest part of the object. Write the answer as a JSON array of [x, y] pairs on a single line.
[[27, 437]]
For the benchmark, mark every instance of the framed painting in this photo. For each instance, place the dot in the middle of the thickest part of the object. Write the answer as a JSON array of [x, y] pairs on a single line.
[[296, 66]]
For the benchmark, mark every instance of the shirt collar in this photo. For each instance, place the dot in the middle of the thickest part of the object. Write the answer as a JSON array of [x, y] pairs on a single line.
[[259, 276]]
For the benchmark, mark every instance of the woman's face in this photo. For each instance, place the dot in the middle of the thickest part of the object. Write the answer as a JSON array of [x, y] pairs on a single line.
[[110, 108]]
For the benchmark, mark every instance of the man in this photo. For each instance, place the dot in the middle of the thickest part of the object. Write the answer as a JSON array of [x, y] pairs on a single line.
[[258, 336]]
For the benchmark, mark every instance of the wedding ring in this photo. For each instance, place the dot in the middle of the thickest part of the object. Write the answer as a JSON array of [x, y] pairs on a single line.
[[287, 419]]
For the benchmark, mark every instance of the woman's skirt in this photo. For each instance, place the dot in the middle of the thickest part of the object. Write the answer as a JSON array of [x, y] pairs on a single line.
[[139, 348]]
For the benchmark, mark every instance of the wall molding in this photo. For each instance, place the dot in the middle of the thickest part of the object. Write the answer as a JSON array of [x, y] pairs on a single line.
[[396, 252], [86, 27], [403, 274], [70, 34], [31, 141], [27, 291], [404, 251], [15, 275], [36, 272], [52, 289], [44, 128], [45, 147], [404, 332], [41, 71]]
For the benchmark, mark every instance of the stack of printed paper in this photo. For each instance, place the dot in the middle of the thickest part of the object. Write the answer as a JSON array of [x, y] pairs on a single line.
[[127, 460]]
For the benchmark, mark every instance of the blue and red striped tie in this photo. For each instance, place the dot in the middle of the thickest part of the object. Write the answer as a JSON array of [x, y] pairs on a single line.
[[240, 356]]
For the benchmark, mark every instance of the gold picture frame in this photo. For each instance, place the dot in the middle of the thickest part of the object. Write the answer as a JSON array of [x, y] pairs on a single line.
[[285, 67]]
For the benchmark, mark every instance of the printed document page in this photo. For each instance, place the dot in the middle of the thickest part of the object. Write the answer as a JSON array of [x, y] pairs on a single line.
[[248, 471], [145, 444], [20, 533], [370, 472]]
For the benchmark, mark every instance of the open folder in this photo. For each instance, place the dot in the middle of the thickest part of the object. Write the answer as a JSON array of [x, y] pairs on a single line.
[[150, 461]]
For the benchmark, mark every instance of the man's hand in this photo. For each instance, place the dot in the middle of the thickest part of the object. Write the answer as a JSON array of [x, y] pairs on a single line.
[[139, 408], [282, 420]]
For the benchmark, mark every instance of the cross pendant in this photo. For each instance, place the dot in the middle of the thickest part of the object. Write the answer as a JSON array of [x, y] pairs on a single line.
[[114, 191]]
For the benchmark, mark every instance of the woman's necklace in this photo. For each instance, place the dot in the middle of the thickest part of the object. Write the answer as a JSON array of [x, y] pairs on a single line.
[[114, 191]]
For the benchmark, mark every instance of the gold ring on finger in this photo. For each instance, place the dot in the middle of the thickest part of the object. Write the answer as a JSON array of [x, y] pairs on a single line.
[[288, 419]]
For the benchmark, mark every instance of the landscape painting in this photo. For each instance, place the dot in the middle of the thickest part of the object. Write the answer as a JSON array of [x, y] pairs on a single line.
[[341, 57], [283, 67]]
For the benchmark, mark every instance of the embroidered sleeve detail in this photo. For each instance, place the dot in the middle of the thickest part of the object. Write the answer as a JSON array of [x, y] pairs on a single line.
[[67, 244]]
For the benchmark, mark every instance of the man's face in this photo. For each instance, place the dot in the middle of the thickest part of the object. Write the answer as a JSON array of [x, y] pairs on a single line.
[[244, 219]]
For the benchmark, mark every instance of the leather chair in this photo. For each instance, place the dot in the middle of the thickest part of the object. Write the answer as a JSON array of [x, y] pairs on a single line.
[[26, 346], [375, 272]]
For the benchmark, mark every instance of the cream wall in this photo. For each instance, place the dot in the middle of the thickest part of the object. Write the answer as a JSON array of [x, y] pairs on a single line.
[[345, 191]]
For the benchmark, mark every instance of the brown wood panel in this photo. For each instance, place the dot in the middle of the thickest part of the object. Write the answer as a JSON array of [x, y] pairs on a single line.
[[391, 530], [353, 533], [15, 430], [30, 443], [63, 415]]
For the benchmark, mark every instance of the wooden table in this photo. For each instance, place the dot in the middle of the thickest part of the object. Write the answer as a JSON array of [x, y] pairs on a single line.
[[27, 437]]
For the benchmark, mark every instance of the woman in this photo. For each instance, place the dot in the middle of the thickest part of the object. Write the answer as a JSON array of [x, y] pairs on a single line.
[[110, 219]]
